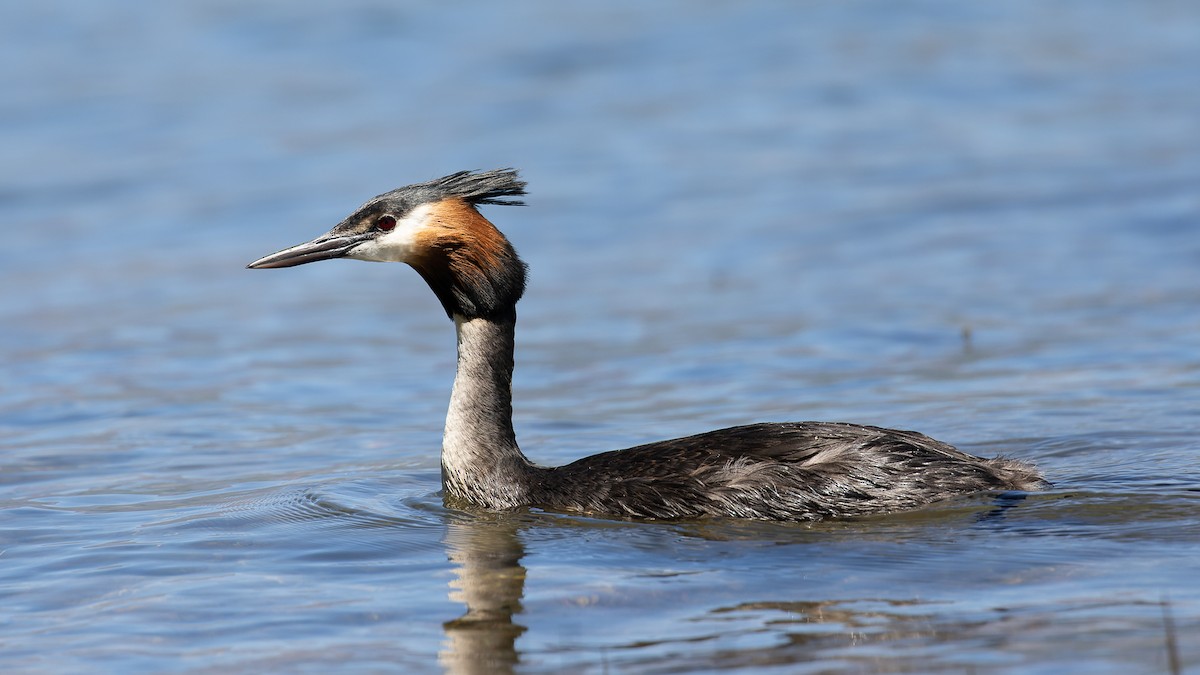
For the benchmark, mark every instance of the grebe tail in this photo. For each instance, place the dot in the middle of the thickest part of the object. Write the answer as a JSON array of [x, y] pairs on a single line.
[[773, 471]]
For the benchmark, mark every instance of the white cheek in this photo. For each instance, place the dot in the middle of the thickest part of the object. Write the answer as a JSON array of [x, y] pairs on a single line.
[[399, 245]]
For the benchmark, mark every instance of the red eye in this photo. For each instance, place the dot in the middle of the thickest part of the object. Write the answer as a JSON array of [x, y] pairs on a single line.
[[385, 223]]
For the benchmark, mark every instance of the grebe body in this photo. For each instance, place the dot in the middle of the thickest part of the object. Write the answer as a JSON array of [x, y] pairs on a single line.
[[772, 471]]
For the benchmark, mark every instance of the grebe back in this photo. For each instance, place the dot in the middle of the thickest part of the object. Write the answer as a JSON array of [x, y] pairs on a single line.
[[774, 471]]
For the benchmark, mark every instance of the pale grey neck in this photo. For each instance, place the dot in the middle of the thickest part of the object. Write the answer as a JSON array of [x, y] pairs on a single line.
[[481, 462]]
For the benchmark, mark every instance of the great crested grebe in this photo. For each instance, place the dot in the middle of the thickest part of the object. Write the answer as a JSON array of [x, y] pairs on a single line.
[[773, 471]]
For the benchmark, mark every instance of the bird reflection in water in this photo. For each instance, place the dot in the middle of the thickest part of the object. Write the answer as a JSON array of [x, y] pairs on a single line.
[[490, 582]]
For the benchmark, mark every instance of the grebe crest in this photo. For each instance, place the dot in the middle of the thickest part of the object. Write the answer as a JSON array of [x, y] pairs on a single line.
[[780, 471]]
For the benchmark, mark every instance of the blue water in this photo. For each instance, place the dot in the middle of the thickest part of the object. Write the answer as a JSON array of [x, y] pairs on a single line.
[[979, 220]]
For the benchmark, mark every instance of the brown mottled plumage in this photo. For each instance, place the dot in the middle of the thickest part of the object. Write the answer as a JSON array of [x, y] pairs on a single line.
[[777, 471]]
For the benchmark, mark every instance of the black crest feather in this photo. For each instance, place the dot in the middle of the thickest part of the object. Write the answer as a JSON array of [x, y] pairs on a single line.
[[483, 187]]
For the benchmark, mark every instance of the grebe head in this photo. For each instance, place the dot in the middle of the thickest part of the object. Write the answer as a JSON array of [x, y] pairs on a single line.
[[436, 228]]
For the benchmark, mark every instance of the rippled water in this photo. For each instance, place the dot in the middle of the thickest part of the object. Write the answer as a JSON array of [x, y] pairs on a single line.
[[980, 220]]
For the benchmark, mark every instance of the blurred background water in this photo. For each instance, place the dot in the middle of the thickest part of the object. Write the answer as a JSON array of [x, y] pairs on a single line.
[[980, 220]]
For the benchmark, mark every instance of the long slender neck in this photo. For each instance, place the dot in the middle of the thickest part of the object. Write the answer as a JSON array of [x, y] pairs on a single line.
[[481, 462]]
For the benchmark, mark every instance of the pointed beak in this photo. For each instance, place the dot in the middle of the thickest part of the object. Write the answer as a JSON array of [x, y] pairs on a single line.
[[324, 247]]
